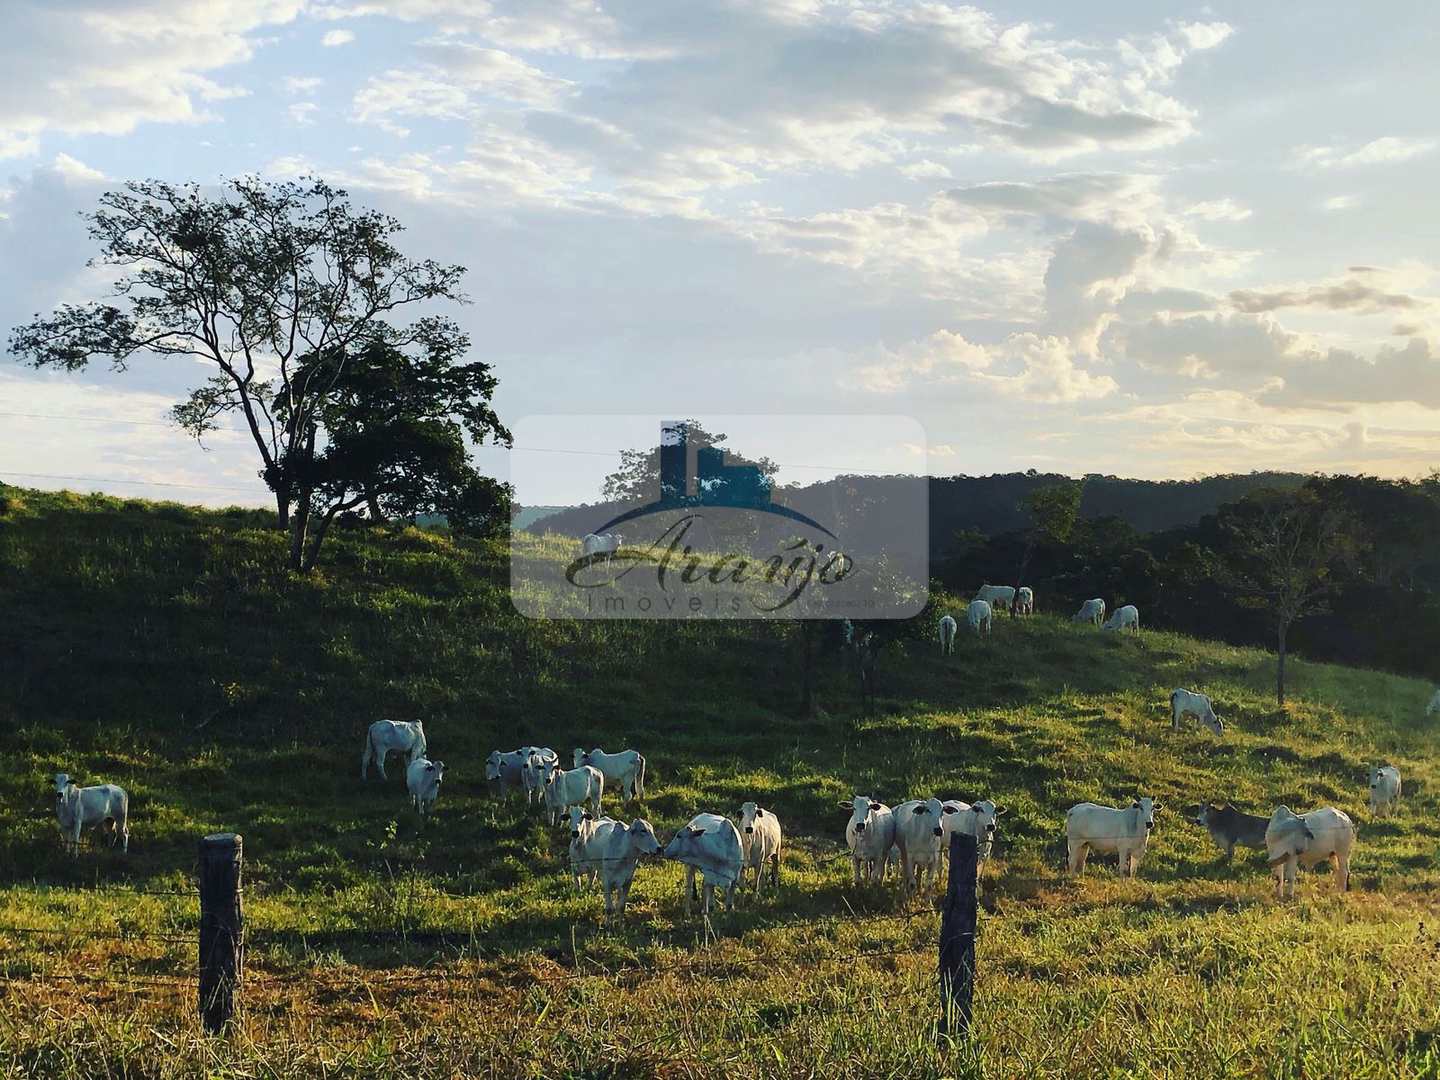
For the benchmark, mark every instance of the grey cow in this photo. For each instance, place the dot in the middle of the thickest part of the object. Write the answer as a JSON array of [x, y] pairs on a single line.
[[1228, 826]]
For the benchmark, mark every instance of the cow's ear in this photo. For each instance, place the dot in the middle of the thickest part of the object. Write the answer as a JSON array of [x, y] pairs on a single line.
[[1155, 808], [874, 806], [848, 804], [1135, 804], [759, 813], [922, 808], [947, 809], [1001, 811], [974, 809]]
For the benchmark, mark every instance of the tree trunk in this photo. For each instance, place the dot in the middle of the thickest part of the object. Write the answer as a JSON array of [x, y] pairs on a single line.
[[372, 504], [299, 530], [282, 507], [1280, 663]]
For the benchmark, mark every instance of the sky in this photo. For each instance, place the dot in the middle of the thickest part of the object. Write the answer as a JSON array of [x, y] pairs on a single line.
[[1144, 239]]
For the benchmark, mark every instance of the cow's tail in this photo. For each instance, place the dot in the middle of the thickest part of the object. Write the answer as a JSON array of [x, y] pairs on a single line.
[[369, 755], [640, 777]]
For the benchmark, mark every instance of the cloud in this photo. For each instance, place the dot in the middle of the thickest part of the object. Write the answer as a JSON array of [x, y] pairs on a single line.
[[301, 85], [1204, 346], [1348, 295], [1025, 366], [74, 170], [1390, 150], [1219, 210], [335, 38], [1340, 202], [302, 112], [1141, 303], [1408, 373], [925, 170], [1067, 197], [89, 67]]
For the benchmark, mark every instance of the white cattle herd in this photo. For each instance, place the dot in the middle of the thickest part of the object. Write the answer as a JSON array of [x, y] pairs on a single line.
[[728, 854]]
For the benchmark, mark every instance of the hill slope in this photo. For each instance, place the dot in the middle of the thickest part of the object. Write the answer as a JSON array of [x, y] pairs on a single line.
[[165, 649]]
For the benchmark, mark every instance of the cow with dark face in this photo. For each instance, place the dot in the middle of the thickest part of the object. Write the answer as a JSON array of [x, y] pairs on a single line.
[[1228, 826]]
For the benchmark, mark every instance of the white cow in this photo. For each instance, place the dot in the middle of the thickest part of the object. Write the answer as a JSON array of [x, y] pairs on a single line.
[[980, 617], [1091, 611], [1188, 703], [870, 833], [1384, 790], [979, 820], [422, 780], [585, 864], [506, 769], [1089, 827], [603, 544], [1000, 597], [1125, 618], [392, 736], [532, 778], [627, 768], [710, 844], [575, 787], [1293, 840], [78, 808], [1025, 601], [920, 836], [947, 635], [760, 841], [1434, 706], [615, 847]]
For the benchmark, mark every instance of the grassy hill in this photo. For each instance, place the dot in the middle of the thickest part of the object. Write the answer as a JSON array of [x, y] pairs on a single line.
[[166, 649]]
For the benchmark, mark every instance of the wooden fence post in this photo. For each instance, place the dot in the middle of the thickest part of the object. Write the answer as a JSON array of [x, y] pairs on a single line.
[[957, 938], [222, 928]]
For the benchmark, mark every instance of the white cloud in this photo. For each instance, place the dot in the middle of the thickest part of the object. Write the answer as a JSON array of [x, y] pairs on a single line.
[[301, 85], [1341, 202], [73, 170], [1389, 150], [302, 112], [925, 170], [335, 38], [1219, 210]]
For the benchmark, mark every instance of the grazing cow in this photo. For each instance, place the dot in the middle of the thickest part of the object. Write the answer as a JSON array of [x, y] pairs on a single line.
[[392, 736], [564, 789], [979, 616], [506, 770], [1089, 827], [710, 844], [760, 840], [1125, 618], [627, 768], [1228, 826], [1025, 601], [1091, 611], [920, 834], [422, 780], [1434, 706], [602, 545], [947, 635], [870, 833], [615, 847], [1188, 703], [585, 864], [1384, 790], [999, 597], [78, 808], [979, 820], [1293, 840]]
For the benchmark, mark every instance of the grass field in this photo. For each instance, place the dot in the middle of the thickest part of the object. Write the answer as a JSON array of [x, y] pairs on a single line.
[[165, 649]]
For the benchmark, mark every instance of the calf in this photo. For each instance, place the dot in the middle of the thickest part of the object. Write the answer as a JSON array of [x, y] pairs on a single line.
[[870, 833], [979, 615], [1293, 840], [999, 597], [615, 847], [1025, 601], [947, 635], [627, 769], [1089, 827], [1091, 611], [1384, 790], [506, 770], [422, 780], [78, 808], [920, 835], [1434, 706], [585, 858], [980, 820], [564, 789], [391, 736], [1228, 826], [1125, 618], [709, 844], [1189, 703], [760, 841]]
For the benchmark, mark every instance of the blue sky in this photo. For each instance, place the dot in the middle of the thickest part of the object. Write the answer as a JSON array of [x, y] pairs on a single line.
[[1135, 238]]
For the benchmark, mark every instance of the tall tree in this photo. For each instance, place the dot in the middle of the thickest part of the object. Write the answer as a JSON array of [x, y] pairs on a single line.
[[394, 427], [1053, 511], [271, 285], [638, 477], [1285, 548]]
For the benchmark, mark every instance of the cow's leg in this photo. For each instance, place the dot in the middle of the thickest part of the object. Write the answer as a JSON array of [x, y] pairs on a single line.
[[1342, 872], [775, 870], [1230, 852], [1076, 856], [855, 865]]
